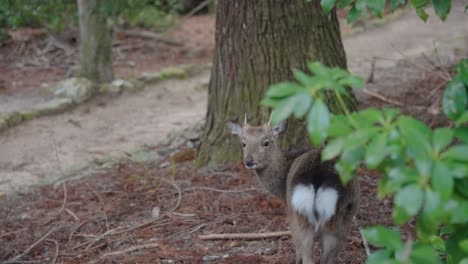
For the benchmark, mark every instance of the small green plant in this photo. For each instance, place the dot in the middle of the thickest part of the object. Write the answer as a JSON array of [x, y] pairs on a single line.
[[441, 7], [426, 170]]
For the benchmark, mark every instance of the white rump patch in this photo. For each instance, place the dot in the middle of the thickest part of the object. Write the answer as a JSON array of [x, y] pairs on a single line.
[[325, 204], [302, 201]]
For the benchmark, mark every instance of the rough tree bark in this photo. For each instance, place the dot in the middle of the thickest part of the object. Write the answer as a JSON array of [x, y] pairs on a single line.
[[257, 44], [95, 42]]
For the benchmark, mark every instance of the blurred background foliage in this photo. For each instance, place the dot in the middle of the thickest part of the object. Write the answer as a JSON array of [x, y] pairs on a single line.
[[56, 15]]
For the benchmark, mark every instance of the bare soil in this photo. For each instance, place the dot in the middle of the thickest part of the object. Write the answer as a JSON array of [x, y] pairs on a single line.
[[131, 204]]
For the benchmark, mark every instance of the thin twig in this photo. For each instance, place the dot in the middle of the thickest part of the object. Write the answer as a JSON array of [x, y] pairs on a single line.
[[197, 8], [129, 250], [203, 188], [72, 214], [13, 260], [381, 97], [370, 79], [247, 236], [101, 202], [78, 227], [364, 242], [54, 260]]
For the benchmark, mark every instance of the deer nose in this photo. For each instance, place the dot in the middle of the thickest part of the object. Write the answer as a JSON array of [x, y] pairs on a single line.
[[249, 162]]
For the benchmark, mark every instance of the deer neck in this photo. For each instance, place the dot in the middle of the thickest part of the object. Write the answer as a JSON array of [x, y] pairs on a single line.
[[273, 177]]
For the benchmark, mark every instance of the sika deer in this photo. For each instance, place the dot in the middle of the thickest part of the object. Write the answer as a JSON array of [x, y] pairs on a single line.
[[318, 204]]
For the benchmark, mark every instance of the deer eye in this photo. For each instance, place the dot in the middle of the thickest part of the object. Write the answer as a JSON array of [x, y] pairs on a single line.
[[243, 144], [266, 143]]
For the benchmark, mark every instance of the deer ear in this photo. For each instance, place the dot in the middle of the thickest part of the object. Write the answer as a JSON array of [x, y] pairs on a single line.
[[234, 128], [279, 129]]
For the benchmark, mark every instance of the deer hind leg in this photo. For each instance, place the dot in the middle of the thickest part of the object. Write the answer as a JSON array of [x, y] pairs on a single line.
[[303, 237], [333, 243]]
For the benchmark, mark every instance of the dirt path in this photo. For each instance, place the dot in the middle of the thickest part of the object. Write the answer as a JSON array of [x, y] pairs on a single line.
[[38, 150]]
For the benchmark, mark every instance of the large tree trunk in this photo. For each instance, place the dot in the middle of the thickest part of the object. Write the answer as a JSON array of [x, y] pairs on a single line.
[[95, 42], [257, 44]]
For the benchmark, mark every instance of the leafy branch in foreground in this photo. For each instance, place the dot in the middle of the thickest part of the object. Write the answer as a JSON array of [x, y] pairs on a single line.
[[426, 170]]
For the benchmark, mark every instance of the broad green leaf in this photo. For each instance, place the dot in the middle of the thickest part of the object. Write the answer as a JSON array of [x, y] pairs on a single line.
[[431, 216], [376, 151], [422, 253], [460, 215], [283, 110], [344, 3], [317, 68], [455, 254], [390, 113], [422, 14], [327, 5], [438, 243], [303, 102], [442, 8], [360, 137], [419, 3], [462, 119], [442, 180], [333, 149], [464, 245], [409, 199], [352, 81], [283, 89], [382, 256], [271, 102], [441, 138], [318, 121], [368, 117], [382, 236], [303, 78], [338, 73], [462, 70], [394, 4], [457, 152], [349, 162], [354, 14], [376, 6], [461, 187], [339, 126], [454, 101], [462, 134]]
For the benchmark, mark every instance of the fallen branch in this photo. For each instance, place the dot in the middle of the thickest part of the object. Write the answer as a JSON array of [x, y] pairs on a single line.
[[364, 242], [151, 35], [246, 236], [129, 250], [103, 207], [54, 260], [381, 97], [31, 247]]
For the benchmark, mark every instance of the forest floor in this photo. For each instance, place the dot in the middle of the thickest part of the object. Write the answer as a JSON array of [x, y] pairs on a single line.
[[133, 212]]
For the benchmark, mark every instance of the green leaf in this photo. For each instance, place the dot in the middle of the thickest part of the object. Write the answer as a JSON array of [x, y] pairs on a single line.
[[318, 121], [333, 149], [455, 100], [409, 200], [464, 245], [457, 152], [377, 6], [303, 102], [352, 81], [349, 162], [442, 8], [462, 134], [390, 113], [422, 253], [361, 136], [283, 89], [438, 243], [419, 3], [460, 215], [327, 5], [442, 180], [317, 68], [394, 4], [382, 236], [368, 117], [422, 14], [271, 102], [376, 151], [303, 78], [339, 126], [441, 138], [283, 110], [354, 14], [462, 119], [344, 3], [382, 256]]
